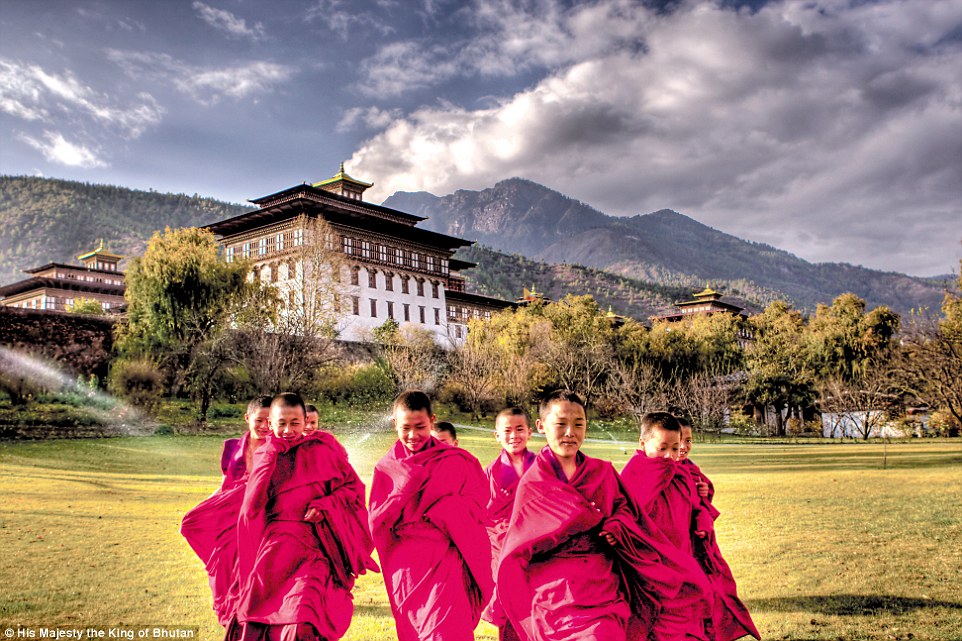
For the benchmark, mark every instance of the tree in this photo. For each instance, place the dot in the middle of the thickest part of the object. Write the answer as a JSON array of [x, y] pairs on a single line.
[[475, 366], [775, 362], [86, 306], [181, 299], [931, 365], [860, 406], [285, 347], [843, 340], [410, 355]]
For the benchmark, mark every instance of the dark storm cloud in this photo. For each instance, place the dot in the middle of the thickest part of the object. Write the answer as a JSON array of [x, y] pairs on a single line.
[[829, 129]]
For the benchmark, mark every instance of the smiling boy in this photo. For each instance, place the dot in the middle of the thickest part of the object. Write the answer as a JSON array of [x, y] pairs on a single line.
[[730, 618], [666, 494], [557, 577], [302, 534], [512, 431], [427, 518], [211, 527]]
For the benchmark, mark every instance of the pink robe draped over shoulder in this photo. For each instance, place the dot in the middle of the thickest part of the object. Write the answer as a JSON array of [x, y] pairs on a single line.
[[211, 528], [559, 579], [664, 491], [730, 617], [503, 482], [295, 575], [427, 518]]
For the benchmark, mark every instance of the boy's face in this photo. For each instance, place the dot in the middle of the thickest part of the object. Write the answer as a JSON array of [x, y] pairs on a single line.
[[685, 449], [445, 437], [413, 427], [287, 422], [564, 426], [259, 423], [310, 423], [662, 443], [512, 432]]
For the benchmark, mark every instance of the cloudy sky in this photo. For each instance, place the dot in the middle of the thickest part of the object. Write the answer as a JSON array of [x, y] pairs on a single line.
[[830, 128]]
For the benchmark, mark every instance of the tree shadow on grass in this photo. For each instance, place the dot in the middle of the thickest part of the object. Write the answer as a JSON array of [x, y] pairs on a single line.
[[374, 611], [849, 604]]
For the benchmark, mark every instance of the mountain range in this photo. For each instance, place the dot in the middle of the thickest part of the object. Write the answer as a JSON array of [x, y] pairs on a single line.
[[527, 234], [518, 216]]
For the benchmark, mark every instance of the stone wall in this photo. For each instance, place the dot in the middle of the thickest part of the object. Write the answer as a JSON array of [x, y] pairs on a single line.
[[79, 344]]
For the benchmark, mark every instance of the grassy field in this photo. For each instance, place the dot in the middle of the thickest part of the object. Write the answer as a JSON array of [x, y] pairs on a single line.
[[825, 543]]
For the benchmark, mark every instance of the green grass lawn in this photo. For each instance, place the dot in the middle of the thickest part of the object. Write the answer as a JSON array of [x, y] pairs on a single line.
[[825, 543]]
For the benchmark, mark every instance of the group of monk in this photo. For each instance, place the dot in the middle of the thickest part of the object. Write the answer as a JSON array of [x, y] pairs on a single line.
[[547, 546]]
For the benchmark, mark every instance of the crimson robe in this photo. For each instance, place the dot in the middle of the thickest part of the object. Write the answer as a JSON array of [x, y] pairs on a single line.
[[665, 492], [211, 528], [427, 518], [502, 485], [559, 579], [730, 617], [295, 574]]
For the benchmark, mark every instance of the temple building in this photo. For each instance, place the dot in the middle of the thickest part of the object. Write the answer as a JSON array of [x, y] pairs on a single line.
[[58, 287], [708, 302], [388, 267]]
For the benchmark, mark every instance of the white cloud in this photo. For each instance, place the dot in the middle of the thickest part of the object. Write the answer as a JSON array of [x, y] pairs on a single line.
[[342, 17], [205, 84], [822, 127], [58, 150], [369, 118], [507, 37], [228, 23], [30, 92]]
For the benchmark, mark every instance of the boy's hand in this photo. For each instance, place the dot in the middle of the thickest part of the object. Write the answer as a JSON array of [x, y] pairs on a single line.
[[702, 488], [314, 515], [701, 534], [608, 537]]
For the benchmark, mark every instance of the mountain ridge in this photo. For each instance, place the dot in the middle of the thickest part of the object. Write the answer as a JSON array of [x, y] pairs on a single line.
[[519, 216]]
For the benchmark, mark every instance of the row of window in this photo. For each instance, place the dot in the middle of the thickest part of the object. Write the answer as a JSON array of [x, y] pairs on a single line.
[[389, 282], [394, 255], [391, 308], [350, 246], [90, 278], [107, 267], [56, 303], [267, 245]]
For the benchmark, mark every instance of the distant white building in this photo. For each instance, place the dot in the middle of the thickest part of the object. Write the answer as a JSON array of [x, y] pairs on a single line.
[[394, 269], [855, 424]]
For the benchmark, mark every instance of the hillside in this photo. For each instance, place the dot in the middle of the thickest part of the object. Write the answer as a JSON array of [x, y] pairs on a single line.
[[45, 220], [505, 276], [519, 216]]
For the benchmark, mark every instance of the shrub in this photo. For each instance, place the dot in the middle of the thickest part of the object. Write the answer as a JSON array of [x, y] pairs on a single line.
[[355, 385], [138, 382], [943, 423]]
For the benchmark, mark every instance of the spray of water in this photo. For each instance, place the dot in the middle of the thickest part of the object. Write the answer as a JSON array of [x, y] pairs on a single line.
[[111, 415]]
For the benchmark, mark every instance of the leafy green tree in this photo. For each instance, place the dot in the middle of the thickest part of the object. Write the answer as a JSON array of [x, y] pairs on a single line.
[[181, 300], [843, 340], [777, 373], [931, 366], [86, 306]]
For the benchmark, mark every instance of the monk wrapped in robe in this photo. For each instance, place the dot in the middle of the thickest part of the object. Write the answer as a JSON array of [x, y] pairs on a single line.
[[730, 617], [302, 535], [211, 527], [577, 561], [427, 518]]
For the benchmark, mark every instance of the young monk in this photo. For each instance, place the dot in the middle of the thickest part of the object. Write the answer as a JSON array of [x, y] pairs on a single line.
[[211, 527], [512, 431], [302, 535], [445, 432], [574, 542], [427, 518], [665, 492], [311, 420], [730, 617]]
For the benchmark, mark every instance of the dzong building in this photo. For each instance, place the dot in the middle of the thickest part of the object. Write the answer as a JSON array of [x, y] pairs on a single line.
[[388, 267]]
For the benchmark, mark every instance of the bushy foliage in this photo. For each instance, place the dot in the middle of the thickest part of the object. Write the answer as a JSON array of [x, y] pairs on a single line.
[[137, 381]]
